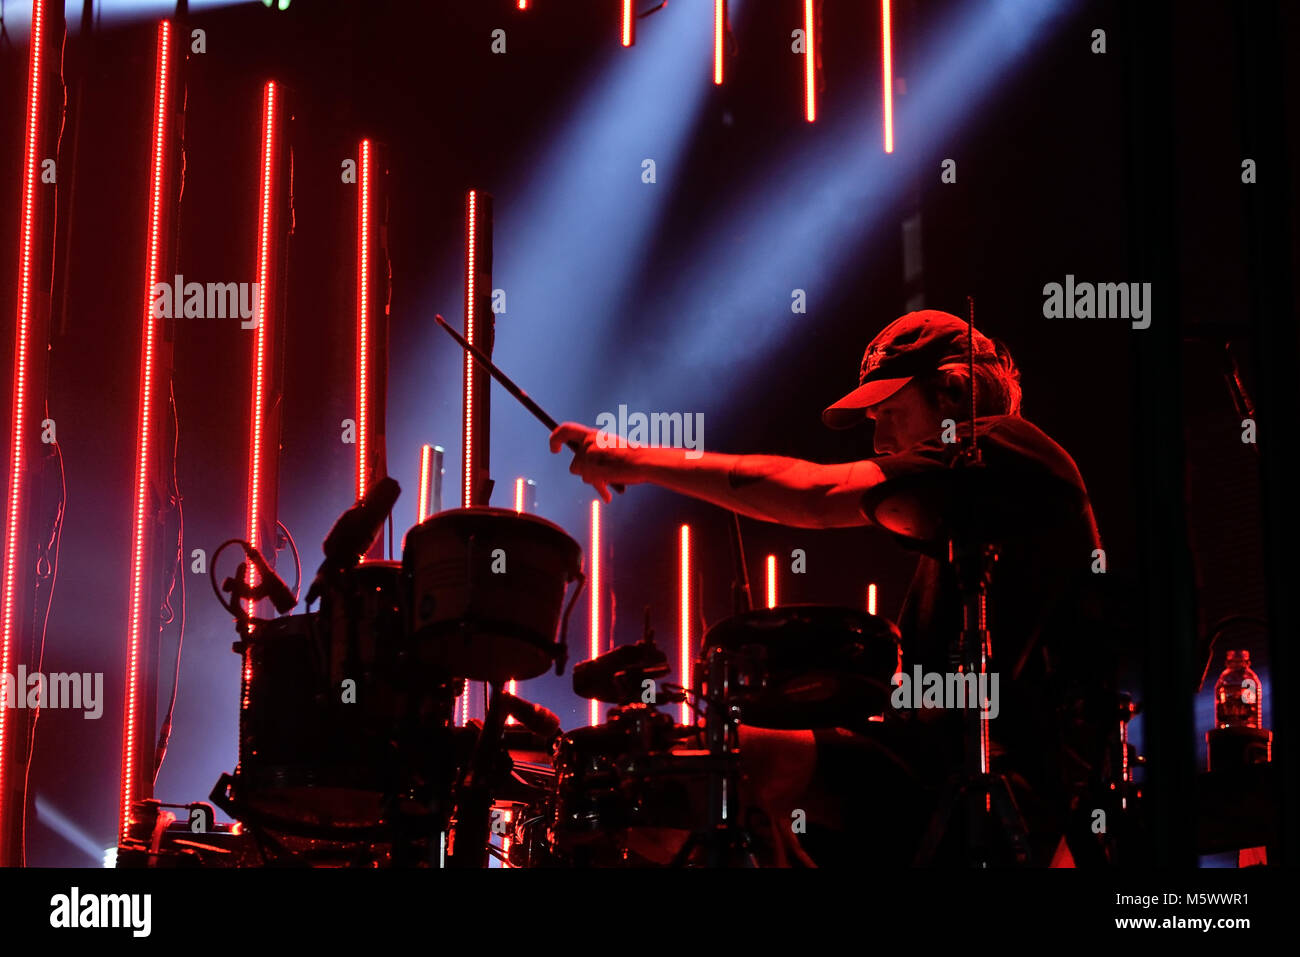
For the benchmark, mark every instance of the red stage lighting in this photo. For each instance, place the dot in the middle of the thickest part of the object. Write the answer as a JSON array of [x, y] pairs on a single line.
[[260, 517], [365, 226], [596, 584], [519, 495], [27, 391], [871, 599], [629, 24], [771, 581], [476, 480], [372, 322], [136, 775], [809, 62], [719, 32], [686, 601], [426, 482], [471, 236], [887, 67]]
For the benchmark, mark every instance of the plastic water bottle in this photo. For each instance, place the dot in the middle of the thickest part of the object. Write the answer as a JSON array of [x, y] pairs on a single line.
[[1237, 694]]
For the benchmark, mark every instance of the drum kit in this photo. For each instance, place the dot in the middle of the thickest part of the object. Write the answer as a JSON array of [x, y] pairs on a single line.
[[349, 753]]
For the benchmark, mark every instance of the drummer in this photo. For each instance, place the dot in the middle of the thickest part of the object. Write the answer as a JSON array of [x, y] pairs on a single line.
[[914, 388]]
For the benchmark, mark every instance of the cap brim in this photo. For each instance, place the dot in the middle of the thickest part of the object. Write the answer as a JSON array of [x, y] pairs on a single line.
[[851, 409]]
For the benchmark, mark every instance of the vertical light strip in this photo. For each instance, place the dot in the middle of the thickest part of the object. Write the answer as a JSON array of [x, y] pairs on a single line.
[[364, 229], [629, 25], [887, 68], [512, 686], [771, 581], [596, 584], [257, 441], [810, 63], [523, 4], [871, 599], [685, 601], [22, 343], [133, 776], [719, 31], [471, 214], [426, 482], [519, 495]]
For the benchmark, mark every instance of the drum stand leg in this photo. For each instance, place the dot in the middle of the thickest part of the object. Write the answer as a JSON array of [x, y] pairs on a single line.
[[473, 796], [990, 813]]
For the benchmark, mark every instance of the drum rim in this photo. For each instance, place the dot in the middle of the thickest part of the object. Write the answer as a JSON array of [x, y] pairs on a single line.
[[452, 515]]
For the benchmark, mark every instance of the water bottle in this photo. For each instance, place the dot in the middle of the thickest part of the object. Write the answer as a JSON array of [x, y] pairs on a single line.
[[1237, 694]]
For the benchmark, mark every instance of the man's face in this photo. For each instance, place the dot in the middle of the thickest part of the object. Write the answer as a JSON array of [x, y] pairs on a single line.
[[908, 417]]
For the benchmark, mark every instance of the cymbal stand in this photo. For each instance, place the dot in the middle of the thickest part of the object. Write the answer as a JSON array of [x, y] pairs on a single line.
[[994, 832], [725, 841]]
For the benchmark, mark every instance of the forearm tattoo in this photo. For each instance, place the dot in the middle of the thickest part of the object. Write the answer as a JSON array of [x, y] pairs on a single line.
[[750, 470]]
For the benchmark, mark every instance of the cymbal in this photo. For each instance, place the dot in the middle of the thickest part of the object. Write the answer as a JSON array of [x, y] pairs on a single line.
[[969, 501]]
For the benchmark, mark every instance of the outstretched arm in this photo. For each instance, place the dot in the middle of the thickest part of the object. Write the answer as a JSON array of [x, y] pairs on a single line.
[[767, 487]]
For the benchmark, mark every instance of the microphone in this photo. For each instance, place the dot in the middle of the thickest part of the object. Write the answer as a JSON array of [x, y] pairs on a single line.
[[356, 529], [540, 721], [354, 532], [272, 586]]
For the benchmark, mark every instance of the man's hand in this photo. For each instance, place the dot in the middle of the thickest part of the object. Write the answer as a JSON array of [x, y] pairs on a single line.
[[599, 467]]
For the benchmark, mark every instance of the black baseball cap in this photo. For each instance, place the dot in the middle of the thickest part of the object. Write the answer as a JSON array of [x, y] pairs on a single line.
[[912, 345]]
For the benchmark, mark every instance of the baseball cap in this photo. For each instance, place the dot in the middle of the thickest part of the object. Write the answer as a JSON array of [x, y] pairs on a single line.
[[912, 345]]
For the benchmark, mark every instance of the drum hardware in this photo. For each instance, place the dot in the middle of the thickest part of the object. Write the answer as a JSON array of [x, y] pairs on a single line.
[[982, 798], [1120, 792], [725, 841], [486, 771], [619, 676]]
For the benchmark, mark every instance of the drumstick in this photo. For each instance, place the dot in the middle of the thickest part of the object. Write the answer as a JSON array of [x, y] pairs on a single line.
[[538, 412]]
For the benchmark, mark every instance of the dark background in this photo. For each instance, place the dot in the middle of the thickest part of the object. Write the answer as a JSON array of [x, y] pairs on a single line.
[[750, 203]]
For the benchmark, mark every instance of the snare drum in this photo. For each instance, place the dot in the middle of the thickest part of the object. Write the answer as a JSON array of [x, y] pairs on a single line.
[[487, 590]]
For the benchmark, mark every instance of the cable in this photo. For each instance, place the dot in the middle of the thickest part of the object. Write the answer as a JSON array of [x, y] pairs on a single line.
[[297, 562], [47, 558], [1217, 629], [234, 610], [168, 616]]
